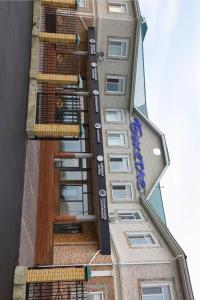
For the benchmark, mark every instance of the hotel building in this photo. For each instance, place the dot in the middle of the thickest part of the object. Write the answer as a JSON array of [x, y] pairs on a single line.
[[96, 225]]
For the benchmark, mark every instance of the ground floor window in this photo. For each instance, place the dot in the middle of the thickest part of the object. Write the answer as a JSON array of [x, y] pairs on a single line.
[[75, 199]]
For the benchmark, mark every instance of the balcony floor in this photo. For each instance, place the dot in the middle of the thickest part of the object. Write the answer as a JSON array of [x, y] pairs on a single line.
[[47, 194]]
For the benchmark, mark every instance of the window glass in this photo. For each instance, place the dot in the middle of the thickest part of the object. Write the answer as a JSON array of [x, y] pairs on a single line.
[[129, 216], [115, 84], [156, 292], [118, 164], [71, 208], [73, 175], [141, 239], [70, 146], [114, 116], [95, 296], [121, 191], [117, 8], [70, 162], [71, 192], [82, 3], [116, 139], [117, 48]]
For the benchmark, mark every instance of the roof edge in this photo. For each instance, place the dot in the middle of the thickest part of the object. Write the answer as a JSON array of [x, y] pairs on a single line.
[[174, 246], [164, 144]]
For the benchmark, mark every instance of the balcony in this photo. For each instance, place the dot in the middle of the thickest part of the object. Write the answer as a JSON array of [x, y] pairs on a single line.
[[56, 63], [56, 283]]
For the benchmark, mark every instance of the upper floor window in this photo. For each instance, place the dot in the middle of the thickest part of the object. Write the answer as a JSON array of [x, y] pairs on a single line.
[[95, 296], [161, 291], [82, 3], [128, 216], [140, 239], [115, 84], [121, 191], [116, 7], [119, 163], [116, 138], [114, 115], [117, 48]]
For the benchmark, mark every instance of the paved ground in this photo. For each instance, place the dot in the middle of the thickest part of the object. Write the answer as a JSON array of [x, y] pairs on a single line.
[[29, 209], [15, 41]]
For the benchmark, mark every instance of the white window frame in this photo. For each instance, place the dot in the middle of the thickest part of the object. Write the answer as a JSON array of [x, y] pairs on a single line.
[[118, 4], [97, 293], [135, 234], [158, 284], [125, 163], [125, 199], [122, 136], [119, 112], [131, 212], [118, 92], [122, 40], [83, 5]]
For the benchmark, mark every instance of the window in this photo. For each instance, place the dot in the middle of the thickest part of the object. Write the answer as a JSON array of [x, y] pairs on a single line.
[[95, 296], [82, 3], [126, 216], [116, 139], [72, 228], [72, 145], [75, 199], [114, 115], [156, 292], [119, 164], [137, 240], [117, 8], [115, 84], [117, 48], [67, 163], [121, 191]]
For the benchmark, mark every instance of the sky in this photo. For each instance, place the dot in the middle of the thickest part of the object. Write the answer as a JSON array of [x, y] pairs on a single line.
[[172, 70]]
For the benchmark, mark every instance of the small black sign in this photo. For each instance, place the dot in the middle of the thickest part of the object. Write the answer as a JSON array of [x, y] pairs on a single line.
[[100, 169], [103, 207], [94, 74], [98, 136]]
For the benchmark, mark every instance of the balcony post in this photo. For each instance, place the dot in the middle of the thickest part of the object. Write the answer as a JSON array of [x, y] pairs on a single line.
[[60, 155]]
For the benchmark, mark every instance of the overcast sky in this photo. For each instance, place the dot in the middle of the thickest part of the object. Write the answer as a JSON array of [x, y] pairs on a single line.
[[172, 67]]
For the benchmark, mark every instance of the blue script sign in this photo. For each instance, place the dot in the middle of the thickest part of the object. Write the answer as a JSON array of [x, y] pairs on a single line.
[[136, 128]]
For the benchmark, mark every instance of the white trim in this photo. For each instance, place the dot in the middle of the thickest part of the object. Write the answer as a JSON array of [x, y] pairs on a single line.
[[120, 77]]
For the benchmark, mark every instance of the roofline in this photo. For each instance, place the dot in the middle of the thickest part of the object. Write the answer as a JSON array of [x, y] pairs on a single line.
[[174, 246], [135, 58], [164, 144]]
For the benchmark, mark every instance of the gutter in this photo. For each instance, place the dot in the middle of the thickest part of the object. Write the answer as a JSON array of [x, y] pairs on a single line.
[[135, 59], [175, 248]]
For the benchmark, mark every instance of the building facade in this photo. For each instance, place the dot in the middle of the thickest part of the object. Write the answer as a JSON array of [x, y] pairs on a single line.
[[99, 227]]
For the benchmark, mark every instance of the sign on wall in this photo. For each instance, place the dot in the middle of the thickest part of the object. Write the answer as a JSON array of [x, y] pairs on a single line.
[[136, 128]]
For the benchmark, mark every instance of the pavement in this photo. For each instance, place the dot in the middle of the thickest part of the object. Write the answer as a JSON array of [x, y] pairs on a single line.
[[15, 45]]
